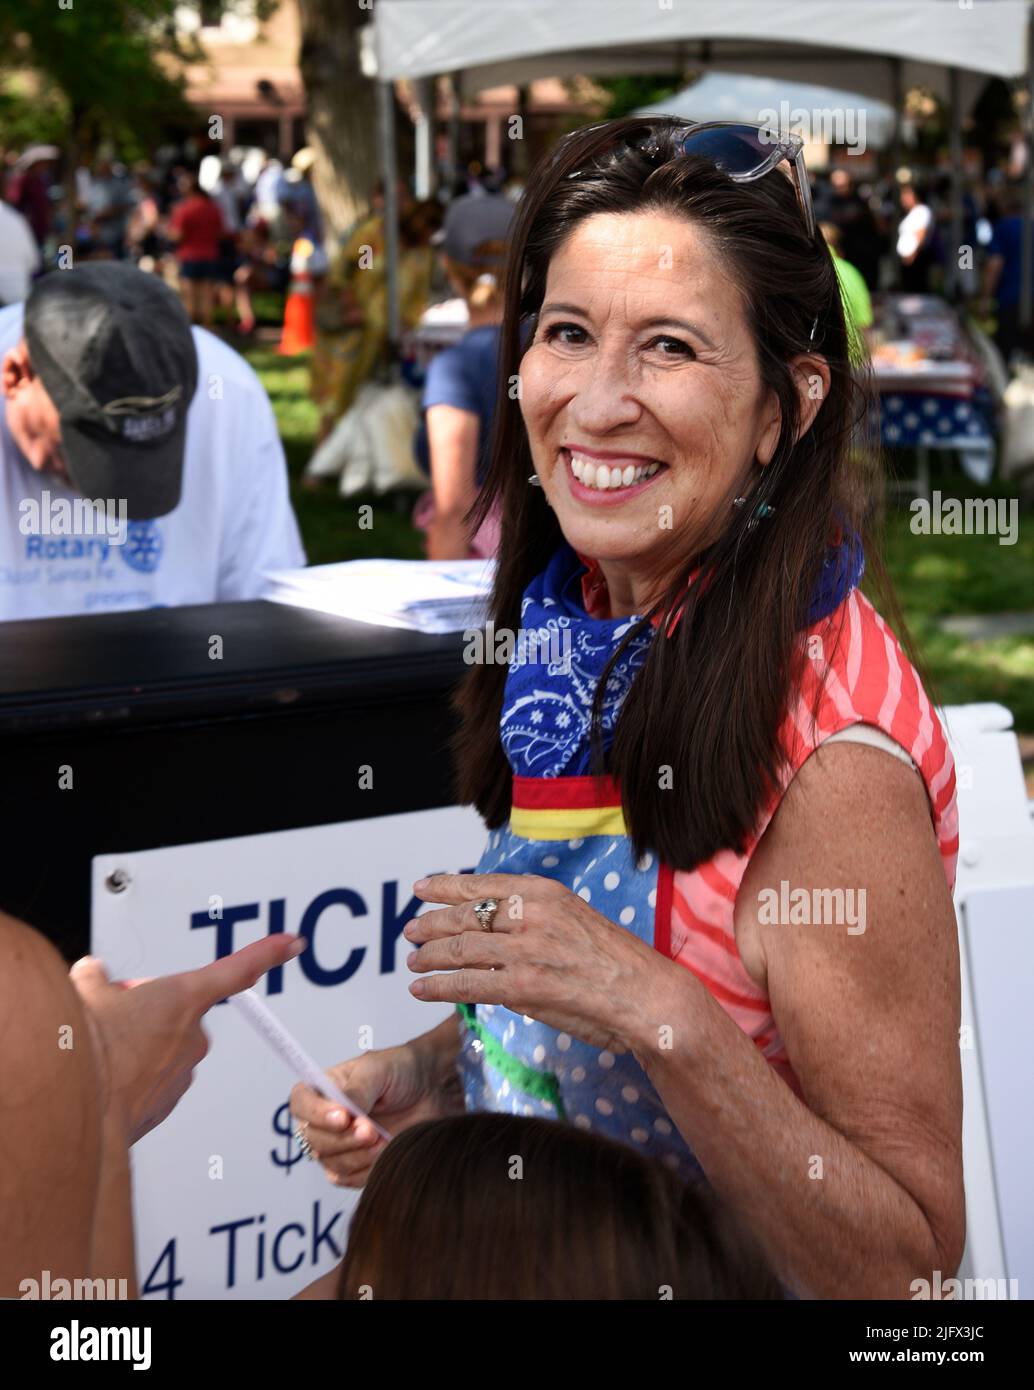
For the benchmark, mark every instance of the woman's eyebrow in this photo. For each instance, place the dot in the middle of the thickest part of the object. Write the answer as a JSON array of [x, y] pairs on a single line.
[[678, 323], [563, 309], [686, 324]]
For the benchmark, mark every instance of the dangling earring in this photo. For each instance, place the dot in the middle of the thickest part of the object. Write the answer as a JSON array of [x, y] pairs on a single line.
[[764, 510], [536, 481]]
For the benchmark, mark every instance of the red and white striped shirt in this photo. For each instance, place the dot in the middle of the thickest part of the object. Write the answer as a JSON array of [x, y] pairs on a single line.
[[856, 673]]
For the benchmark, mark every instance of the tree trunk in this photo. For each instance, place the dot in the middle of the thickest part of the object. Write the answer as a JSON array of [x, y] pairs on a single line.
[[341, 118]]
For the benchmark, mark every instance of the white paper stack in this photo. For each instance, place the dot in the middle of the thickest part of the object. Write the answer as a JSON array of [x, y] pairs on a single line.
[[425, 595]]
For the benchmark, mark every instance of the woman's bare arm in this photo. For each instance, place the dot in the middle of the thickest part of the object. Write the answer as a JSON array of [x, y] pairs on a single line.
[[859, 1191], [452, 441]]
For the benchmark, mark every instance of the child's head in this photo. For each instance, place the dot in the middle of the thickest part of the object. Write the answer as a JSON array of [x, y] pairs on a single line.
[[473, 242], [501, 1206]]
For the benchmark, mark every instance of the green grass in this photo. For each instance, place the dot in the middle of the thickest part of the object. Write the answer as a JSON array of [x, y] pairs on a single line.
[[935, 576], [939, 576], [329, 523]]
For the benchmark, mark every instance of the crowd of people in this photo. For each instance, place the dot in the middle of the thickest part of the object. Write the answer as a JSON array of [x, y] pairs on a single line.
[[897, 234], [219, 227], [223, 228]]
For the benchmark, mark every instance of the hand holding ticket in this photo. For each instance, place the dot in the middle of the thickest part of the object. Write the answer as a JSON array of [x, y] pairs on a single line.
[[265, 1022]]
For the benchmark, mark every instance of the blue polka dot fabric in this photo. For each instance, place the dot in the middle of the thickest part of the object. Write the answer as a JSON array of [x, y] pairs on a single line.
[[597, 1090]]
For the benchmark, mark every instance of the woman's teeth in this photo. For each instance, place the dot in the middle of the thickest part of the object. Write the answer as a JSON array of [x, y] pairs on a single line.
[[601, 475]]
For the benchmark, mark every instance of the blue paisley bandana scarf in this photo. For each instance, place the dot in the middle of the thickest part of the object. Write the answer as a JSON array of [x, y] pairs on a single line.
[[547, 703]]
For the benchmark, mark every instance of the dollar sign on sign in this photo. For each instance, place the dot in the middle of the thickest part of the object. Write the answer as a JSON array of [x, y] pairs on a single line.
[[293, 1153]]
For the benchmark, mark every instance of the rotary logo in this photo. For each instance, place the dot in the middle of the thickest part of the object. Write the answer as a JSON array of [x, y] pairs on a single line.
[[142, 550]]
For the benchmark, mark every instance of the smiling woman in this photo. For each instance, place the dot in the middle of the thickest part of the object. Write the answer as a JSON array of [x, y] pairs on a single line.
[[719, 734]]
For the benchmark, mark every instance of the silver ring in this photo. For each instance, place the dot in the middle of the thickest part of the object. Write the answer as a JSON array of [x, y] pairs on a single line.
[[303, 1143], [485, 912]]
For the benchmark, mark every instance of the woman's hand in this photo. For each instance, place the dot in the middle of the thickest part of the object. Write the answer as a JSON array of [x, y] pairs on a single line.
[[549, 955], [398, 1086], [147, 1034]]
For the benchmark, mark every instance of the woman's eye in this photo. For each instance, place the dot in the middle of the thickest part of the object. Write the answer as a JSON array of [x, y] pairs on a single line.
[[553, 332], [671, 347]]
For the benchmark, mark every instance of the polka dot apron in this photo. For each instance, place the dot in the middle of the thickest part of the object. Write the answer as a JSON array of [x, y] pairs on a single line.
[[514, 1063]]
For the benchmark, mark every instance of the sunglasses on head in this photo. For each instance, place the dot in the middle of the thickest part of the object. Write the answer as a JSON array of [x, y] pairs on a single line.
[[744, 152]]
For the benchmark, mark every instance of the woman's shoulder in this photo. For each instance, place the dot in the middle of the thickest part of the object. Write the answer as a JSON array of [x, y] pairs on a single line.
[[855, 671], [459, 373]]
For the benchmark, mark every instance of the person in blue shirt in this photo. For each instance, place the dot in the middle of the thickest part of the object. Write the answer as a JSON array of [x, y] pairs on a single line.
[[1003, 274], [458, 400]]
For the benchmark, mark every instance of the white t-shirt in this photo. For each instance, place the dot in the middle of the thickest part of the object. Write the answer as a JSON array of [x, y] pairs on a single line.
[[233, 525], [913, 227], [19, 256]]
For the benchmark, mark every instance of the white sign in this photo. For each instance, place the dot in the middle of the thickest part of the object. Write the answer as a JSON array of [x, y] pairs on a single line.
[[226, 1204]]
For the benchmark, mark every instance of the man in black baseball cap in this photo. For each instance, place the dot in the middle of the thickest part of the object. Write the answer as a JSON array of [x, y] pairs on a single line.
[[123, 485], [99, 388]]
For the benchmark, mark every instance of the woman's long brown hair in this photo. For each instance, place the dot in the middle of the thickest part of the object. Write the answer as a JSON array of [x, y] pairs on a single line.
[[709, 699], [493, 1206]]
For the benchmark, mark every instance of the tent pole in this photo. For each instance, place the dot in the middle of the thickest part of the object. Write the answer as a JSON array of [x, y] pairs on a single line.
[[424, 164], [453, 130], [952, 278], [1027, 257], [897, 101], [389, 173]]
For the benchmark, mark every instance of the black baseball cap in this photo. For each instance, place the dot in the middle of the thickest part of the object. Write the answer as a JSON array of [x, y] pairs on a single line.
[[114, 349]]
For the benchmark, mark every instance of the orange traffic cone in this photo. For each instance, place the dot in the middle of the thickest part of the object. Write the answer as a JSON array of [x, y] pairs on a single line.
[[299, 333]]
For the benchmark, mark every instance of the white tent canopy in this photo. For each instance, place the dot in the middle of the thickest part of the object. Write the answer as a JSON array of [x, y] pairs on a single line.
[[723, 96], [835, 40], [874, 47]]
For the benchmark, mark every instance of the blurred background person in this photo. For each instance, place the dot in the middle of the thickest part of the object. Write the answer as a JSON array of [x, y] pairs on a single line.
[[223, 192], [28, 188], [352, 307], [19, 256], [196, 230], [458, 400], [144, 241], [106, 207], [263, 264], [842, 206], [915, 240], [854, 293], [270, 187], [300, 194], [1003, 275]]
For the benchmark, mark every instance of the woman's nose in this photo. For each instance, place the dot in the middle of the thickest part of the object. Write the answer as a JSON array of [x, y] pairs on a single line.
[[606, 394]]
